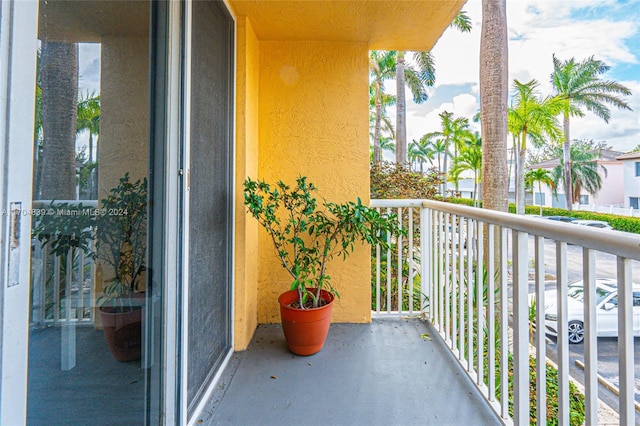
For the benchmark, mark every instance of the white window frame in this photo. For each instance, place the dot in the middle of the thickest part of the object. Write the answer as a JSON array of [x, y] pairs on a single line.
[[18, 37]]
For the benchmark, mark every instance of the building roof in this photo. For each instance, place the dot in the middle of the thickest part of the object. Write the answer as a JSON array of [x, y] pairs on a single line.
[[606, 155], [629, 156]]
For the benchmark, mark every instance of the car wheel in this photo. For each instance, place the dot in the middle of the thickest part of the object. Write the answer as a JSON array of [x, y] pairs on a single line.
[[576, 331]]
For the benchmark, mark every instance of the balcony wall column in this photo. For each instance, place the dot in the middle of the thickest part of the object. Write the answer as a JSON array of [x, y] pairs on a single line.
[[313, 121]]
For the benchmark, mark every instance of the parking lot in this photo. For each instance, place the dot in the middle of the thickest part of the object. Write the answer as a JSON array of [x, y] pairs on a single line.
[[607, 365], [607, 346]]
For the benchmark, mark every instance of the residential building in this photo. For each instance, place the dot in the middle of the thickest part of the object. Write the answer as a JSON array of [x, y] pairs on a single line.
[[631, 179], [611, 193], [195, 97]]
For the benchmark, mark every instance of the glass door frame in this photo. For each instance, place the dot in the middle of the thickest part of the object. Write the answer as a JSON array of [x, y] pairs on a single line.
[[169, 134], [18, 34], [183, 154]]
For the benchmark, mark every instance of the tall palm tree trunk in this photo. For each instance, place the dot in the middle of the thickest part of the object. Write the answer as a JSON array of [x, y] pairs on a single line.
[[445, 172], [455, 155], [512, 163], [90, 147], [540, 198], [377, 151], [493, 97], [520, 193], [566, 153], [401, 111], [59, 79]]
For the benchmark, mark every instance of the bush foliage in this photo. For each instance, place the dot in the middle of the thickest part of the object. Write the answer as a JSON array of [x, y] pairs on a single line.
[[576, 398], [619, 223], [396, 181]]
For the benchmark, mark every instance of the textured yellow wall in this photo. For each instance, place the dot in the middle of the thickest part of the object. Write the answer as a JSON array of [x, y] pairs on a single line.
[[124, 115], [246, 236], [124, 111], [313, 121]]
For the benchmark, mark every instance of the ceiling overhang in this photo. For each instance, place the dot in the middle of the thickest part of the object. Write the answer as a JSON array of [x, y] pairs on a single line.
[[382, 24]]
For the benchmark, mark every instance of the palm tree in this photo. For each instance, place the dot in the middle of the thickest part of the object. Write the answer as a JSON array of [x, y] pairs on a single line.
[[455, 131], [580, 85], [470, 159], [493, 98], [417, 80], [382, 66], [386, 144], [421, 152], [584, 172], [382, 124], [59, 83], [530, 117], [439, 149], [540, 176], [89, 119]]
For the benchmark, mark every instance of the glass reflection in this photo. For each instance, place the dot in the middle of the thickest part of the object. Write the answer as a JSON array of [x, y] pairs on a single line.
[[89, 298]]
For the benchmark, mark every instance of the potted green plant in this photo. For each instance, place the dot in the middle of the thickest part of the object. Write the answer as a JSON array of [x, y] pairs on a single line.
[[121, 226], [119, 229], [306, 237]]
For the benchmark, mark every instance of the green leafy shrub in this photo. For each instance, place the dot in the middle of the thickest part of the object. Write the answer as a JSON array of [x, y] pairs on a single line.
[[395, 181], [306, 234], [619, 223], [463, 201], [576, 398]]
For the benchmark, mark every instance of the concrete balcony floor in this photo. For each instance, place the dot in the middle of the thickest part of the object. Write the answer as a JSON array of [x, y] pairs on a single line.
[[383, 373]]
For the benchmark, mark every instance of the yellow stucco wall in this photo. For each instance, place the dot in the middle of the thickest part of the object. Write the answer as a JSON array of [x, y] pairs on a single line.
[[302, 109], [313, 121], [124, 102], [246, 236], [124, 118]]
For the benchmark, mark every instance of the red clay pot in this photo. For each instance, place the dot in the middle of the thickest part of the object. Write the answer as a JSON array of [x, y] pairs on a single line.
[[305, 330], [123, 332]]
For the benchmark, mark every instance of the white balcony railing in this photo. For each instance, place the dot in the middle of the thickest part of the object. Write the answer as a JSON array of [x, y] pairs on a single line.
[[469, 274], [63, 288]]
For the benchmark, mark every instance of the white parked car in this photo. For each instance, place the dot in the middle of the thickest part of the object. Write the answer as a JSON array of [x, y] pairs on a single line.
[[606, 310], [600, 224]]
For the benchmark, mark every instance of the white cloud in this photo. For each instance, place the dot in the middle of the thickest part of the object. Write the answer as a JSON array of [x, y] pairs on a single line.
[[89, 67], [465, 105], [623, 129]]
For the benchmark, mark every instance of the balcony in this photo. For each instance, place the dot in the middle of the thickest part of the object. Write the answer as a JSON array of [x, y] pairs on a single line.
[[401, 369], [407, 371]]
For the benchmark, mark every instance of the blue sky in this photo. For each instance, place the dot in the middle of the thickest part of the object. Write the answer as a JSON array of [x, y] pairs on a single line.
[[606, 29]]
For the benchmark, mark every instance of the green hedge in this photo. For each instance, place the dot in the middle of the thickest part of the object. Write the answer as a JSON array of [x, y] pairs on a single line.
[[619, 223]]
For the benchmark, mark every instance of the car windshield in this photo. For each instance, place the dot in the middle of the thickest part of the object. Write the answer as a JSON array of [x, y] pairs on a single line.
[[576, 292]]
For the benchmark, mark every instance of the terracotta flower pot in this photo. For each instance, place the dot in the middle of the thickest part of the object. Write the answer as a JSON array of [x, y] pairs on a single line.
[[305, 330], [123, 332]]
